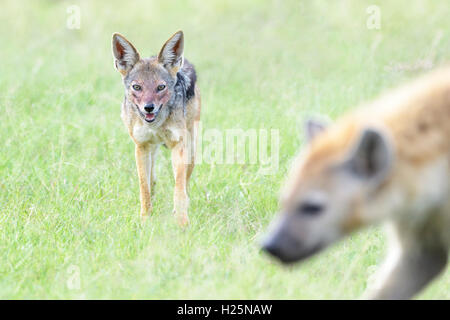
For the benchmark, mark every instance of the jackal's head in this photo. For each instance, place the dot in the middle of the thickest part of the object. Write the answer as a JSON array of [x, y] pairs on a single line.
[[331, 188], [149, 82]]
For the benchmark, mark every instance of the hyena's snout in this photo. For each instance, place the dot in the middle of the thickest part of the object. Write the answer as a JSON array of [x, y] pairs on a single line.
[[277, 246], [289, 244]]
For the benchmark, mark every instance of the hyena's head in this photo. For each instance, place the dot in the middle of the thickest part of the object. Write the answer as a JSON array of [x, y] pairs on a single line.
[[331, 189], [149, 82]]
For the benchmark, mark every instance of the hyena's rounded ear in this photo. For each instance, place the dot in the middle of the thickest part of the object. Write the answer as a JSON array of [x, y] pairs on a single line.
[[171, 54], [125, 54], [313, 127], [372, 156]]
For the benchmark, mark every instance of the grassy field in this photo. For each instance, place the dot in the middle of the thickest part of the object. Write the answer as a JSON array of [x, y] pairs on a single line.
[[68, 187]]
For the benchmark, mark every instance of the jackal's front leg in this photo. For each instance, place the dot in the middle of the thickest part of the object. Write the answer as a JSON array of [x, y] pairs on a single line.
[[144, 168], [180, 197]]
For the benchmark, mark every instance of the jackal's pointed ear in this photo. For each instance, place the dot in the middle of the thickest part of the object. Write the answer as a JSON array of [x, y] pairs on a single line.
[[171, 54], [372, 155], [313, 127], [125, 55]]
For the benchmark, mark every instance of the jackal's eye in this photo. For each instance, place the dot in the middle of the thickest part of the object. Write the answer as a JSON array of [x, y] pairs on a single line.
[[136, 87], [161, 87], [310, 208]]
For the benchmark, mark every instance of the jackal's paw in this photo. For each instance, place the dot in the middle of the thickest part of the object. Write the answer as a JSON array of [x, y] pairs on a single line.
[[144, 218], [182, 220]]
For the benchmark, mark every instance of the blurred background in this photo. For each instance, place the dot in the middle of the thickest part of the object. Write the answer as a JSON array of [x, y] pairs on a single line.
[[68, 188]]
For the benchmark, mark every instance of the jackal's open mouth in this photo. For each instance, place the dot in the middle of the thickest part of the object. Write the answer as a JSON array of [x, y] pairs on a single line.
[[149, 117]]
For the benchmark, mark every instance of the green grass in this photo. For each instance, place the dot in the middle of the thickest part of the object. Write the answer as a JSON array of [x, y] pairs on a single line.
[[68, 186]]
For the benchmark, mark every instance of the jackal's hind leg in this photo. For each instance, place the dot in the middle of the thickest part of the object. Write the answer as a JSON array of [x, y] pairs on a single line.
[[180, 197], [192, 146]]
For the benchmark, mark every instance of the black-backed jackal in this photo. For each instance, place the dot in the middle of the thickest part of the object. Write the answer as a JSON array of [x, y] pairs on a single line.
[[161, 106]]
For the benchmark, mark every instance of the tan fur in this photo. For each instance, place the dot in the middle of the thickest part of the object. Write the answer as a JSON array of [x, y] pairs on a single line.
[[417, 117], [174, 133], [414, 197], [417, 113]]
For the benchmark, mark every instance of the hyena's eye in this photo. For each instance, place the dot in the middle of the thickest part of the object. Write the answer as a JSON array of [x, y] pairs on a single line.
[[309, 208], [136, 87], [161, 87]]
